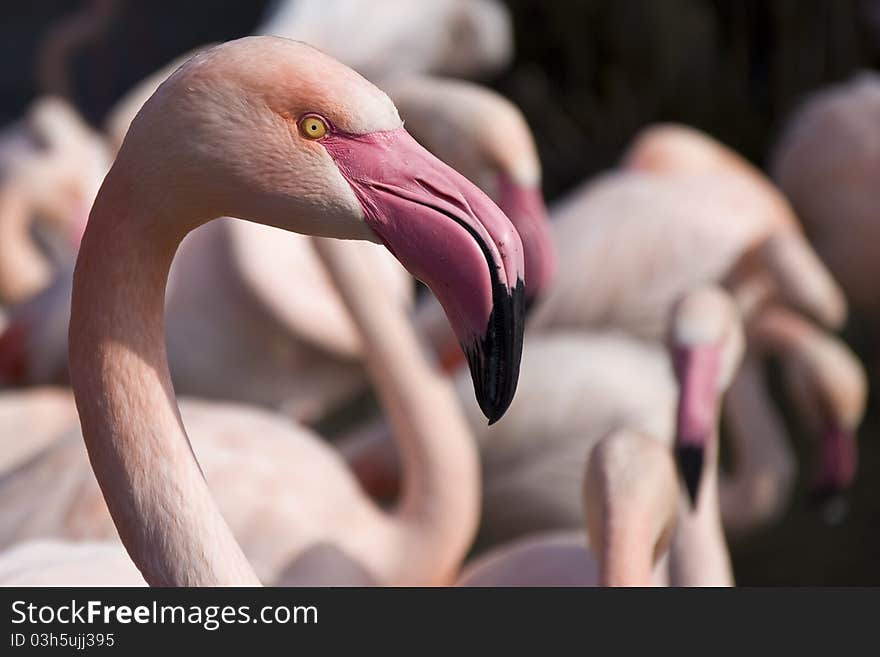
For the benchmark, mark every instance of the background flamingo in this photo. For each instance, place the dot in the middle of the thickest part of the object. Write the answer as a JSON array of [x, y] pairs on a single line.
[[824, 162], [629, 244], [464, 38], [51, 164], [533, 458], [631, 503]]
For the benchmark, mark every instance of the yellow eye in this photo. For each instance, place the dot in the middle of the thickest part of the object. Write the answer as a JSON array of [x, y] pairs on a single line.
[[312, 127]]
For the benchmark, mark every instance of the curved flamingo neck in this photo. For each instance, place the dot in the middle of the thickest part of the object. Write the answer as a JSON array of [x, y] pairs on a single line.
[[633, 524], [439, 506], [698, 554], [23, 269], [626, 557], [131, 424]]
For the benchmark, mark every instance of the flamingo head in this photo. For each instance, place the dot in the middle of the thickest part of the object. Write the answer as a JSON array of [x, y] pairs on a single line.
[[272, 130], [828, 387], [64, 168], [630, 505], [707, 343]]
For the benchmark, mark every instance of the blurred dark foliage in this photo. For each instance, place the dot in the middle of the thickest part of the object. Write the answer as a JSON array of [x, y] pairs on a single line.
[[139, 37], [588, 74]]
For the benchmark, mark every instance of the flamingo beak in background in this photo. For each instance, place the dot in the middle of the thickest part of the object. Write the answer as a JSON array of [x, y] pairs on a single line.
[[838, 458], [524, 205], [451, 236], [697, 369]]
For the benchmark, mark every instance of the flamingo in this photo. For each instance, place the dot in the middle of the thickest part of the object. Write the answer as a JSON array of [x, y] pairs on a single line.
[[270, 478], [675, 150], [238, 446], [632, 503], [629, 244], [707, 344], [532, 462], [827, 386], [686, 211], [313, 362], [307, 330], [824, 161], [314, 359], [51, 164], [461, 38], [319, 150], [735, 226]]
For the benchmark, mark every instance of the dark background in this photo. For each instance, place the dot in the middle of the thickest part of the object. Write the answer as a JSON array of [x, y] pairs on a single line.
[[588, 74]]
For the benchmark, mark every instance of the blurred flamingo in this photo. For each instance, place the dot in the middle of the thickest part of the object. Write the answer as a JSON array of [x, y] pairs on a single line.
[[629, 244], [631, 504], [631, 500], [461, 38], [825, 162], [51, 165]]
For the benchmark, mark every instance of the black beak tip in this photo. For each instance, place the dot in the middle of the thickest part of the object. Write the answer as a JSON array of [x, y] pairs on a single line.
[[494, 360], [690, 464]]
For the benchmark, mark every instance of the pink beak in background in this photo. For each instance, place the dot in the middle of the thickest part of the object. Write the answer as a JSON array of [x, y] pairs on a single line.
[[451, 236], [525, 207], [697, 369], [838, 459]]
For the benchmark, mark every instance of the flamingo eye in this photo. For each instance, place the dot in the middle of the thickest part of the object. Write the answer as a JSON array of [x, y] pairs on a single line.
[[312, 127]]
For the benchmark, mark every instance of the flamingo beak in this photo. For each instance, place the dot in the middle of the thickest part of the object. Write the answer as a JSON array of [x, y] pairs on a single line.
[[838, 457], [524, 204], [451, 236], [697, 370]]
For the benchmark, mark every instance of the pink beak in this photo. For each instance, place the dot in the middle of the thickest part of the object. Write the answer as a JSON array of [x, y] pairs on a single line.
[[528, 213], [450, 235], [697, 370], [838, 458]]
